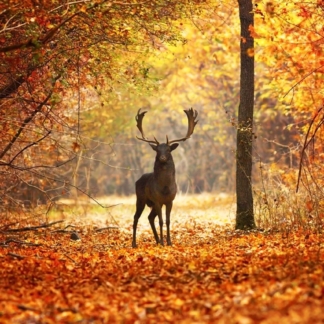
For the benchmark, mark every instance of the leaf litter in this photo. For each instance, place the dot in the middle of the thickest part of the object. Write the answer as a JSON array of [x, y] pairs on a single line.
[[210, 274]]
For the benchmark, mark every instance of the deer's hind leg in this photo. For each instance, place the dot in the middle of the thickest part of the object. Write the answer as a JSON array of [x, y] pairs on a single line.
[[168, 214]]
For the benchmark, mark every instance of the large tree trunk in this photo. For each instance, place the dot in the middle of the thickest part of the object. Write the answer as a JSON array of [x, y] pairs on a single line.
[[244, 212]]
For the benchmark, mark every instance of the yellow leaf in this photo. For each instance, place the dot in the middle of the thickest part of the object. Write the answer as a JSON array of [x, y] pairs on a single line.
[[69, 267], [178, 302], [83, 9], [192, 266]]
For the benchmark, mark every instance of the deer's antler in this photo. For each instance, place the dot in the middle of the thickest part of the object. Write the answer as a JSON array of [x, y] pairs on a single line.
[[192, 122], [139, 119]]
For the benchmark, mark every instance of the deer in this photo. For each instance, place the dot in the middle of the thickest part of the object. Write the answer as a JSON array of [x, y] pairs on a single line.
[[159, 188]]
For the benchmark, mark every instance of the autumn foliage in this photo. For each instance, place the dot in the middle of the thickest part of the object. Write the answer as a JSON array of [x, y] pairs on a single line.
[[55, 57], [72, 76]]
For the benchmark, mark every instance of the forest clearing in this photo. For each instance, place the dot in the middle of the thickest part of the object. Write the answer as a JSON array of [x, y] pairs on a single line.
[[211, 274]]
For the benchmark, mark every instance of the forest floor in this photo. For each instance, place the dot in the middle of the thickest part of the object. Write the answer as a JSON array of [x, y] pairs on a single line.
[[211, 274]]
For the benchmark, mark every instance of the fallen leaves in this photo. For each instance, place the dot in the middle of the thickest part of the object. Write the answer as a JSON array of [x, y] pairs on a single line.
[[228, 277]]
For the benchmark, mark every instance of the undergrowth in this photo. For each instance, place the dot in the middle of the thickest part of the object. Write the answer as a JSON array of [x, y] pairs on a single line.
[[279, 207]]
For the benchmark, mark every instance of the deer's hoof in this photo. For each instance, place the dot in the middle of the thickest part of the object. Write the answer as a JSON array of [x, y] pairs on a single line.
[[134, 245], [169, 244]]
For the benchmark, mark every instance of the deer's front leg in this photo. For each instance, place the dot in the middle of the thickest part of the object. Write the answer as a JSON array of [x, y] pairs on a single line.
[[159, 213], [168, 214], [151, 218]]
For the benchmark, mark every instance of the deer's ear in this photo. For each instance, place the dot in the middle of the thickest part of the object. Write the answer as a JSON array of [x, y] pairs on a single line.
[[153, 146], [174, 146]]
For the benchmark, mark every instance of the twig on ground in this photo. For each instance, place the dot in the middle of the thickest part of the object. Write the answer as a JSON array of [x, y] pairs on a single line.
[[7, 225], [106, 228], [32, 228], [23, 307], [18, 256], [67, 256], [64, 230], [11, 240]]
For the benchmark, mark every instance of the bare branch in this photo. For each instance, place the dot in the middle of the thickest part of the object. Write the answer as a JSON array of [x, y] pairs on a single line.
[[5, 28], [50, 33], [307, 142], [28, 146], [24, 168], [36, 42], [68, 4], [7, 90], [27, 120], [302, 79], [66, 183]]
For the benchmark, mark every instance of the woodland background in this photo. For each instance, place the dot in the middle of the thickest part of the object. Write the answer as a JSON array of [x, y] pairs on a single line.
[[84, 134], [73, 75]]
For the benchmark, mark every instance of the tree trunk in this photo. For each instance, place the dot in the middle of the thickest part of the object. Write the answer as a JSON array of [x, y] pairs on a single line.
[[244, 212]]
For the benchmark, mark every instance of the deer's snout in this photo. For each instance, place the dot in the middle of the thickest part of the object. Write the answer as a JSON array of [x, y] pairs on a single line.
[[163, 158]]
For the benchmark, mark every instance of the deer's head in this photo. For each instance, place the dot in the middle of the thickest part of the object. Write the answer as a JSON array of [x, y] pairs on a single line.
[[163, 150]]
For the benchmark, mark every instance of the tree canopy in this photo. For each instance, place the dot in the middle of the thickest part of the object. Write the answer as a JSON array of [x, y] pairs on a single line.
[[51, 51]]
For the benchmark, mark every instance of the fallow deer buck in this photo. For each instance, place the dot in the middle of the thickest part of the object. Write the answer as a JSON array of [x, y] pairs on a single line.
[[159, 188]]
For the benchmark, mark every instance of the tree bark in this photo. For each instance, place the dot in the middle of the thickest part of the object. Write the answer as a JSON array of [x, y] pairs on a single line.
[[244, 196]]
